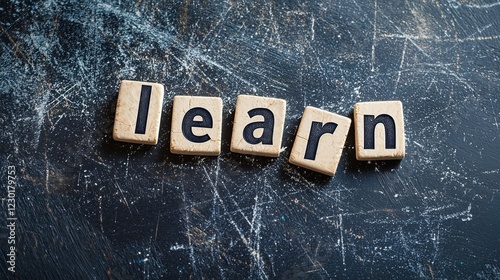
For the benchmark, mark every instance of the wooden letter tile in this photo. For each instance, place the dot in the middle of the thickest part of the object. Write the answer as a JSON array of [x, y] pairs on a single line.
[[379, 130], [138, 112], [258, 125], [320, 140], [196, 125]]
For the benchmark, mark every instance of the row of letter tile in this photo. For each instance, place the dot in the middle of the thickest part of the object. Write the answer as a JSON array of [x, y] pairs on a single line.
[[258, 127]]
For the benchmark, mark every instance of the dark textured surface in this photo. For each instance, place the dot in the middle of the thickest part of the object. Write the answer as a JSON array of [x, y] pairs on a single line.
[[88, 206]]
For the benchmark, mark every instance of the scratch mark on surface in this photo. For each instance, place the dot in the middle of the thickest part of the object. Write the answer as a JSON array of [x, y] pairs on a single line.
[[435, 240], [184, 17], [222, 19], [400, 66], [473, 37], [455, 38], [167, 40], [255, 242], [53, 125], [188, 234], [317, 266], [418, 144], [100, 213], [465, 215], [16, 46], [41, 111], [455, 4], [47, 172], [312, 28], [216, 64], [123, 196], [157, 224], [231, 220], [60, 98], [126, 165], [429, 267], [252, 245], [374, 40], [439, 39], [341, 229]]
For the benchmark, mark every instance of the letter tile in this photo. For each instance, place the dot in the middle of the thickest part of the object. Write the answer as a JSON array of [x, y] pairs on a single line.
[[258, 125], [320, 140], [138, 112], [379, 130], [196, 125]]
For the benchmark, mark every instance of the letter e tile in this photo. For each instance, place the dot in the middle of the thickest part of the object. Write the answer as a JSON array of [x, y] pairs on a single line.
[[196, 125]]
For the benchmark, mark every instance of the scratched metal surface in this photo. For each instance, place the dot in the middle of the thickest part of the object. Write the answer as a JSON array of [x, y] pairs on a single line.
[[88, 206]]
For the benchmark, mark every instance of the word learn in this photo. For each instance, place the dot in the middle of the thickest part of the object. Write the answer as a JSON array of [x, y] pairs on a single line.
[[258, 127]]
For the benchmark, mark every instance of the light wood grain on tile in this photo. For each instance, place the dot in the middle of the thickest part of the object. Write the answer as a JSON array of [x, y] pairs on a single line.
[[127, 108], [242, 119], [379, 130], [327, 130], [210, 142]]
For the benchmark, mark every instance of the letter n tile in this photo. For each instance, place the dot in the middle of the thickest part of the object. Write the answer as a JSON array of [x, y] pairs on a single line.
[[379, 130]]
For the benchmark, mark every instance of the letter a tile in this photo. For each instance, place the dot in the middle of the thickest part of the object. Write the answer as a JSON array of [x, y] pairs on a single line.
[[258, 125], [320, 140], [379, 130], [138, 112], [196, 125]]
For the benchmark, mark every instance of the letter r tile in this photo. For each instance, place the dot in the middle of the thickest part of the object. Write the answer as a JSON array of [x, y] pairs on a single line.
[[196, 125], [258, 125], [138, 112], [379, 130], [320, 140]]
